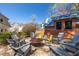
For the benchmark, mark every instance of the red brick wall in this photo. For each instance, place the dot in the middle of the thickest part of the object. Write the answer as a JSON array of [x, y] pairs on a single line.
[[68, 33]]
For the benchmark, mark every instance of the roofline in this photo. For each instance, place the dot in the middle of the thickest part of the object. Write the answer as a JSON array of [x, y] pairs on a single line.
[[4, 16], [65, 19], [66, 16]]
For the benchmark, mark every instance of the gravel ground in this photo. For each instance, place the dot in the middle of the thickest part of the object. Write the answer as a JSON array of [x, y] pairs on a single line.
[[41, 51], [5, 50]]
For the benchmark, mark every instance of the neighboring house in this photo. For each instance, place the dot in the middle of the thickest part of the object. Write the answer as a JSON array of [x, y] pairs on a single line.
[[4, 24], [15, 27], [69, 24]]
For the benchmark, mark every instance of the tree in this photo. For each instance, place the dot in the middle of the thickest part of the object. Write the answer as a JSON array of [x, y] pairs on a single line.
[[33, 18], [58, 9], [75, 7], [28, 28]]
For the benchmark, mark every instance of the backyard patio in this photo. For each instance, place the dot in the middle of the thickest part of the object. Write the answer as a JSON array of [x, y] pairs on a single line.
[[5, 50]]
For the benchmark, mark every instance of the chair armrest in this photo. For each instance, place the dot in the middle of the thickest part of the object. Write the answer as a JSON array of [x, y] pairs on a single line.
[[16, 48], [59, 51], [55, 38], [72, 45], [22, 40], [76, 53]]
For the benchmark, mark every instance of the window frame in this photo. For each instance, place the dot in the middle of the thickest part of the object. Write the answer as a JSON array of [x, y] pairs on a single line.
[[67, 24], [61, 25]]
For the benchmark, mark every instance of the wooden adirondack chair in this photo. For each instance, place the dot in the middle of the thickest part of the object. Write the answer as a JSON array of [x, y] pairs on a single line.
[[68, 49], [73, 41], [19, 46], [58, 51], [23, 50], [59, 38]]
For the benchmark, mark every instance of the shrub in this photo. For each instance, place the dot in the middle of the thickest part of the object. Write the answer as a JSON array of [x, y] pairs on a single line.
[[4, 36], [28, 28]]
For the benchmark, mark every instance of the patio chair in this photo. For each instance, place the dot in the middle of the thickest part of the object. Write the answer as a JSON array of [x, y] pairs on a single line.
[[21, 50], [74, 40], [73, 45], [68, 49], [10, 41], [17, 43], [32, 35], [59, 52], [14, 36], [19, 46], [14, 40], [59, 38]]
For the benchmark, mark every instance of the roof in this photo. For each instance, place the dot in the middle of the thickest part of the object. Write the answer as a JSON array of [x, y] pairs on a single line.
[[7, 23], [71, 15], [4, 16], [49, 23]]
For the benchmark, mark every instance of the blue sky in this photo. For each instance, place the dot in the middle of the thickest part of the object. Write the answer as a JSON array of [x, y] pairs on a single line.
[[22, 12]]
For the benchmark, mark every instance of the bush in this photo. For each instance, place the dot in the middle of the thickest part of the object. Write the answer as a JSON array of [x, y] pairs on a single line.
[[28, 28], [4, 36]]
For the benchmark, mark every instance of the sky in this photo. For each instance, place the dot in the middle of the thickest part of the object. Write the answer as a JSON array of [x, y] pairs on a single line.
[[23, 12]]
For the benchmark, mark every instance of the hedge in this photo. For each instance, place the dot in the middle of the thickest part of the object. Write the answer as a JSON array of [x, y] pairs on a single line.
[[4, 36]]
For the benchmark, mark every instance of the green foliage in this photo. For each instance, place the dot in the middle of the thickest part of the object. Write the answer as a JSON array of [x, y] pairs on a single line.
[[4, 36], [58, 9]]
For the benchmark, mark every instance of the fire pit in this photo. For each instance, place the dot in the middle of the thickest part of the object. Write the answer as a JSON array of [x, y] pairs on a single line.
[[36, 42]]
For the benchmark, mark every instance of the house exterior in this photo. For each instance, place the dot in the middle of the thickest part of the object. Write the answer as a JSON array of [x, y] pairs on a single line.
[[69, 24], [4, 24], [16, 27], [49, 29]]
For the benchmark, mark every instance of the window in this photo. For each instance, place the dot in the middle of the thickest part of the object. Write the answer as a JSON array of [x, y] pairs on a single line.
[[58, 25], [68, 25], [1, 20], [1, 30]]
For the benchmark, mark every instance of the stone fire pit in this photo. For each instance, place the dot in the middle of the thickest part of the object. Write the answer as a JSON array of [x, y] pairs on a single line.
[[37, 42]]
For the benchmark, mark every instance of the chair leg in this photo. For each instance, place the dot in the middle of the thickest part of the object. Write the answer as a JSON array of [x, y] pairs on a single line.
[[15, 54]]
